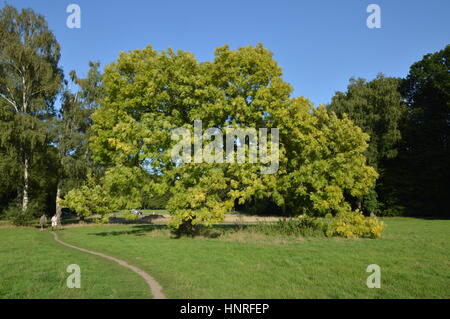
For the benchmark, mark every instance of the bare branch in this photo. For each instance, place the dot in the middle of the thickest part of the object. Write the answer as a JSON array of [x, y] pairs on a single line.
[[10, 102], [24, 92]]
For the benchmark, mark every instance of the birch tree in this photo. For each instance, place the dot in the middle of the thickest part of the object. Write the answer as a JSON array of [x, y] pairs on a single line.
[[29, 81]]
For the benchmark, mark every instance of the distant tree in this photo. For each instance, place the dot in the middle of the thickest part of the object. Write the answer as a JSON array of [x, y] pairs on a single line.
[[29, 82], [91, 198], [72, 130], [377, 108], [423, 169], [11, 171]]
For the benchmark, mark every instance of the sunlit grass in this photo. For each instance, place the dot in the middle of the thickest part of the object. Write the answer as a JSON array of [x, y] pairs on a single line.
[[413, 255], [33, 265]]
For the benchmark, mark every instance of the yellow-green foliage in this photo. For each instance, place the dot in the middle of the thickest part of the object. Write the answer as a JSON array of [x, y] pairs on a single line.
[[202, 203], [353, 224], [150, 93], [102, 220], [89, 199]]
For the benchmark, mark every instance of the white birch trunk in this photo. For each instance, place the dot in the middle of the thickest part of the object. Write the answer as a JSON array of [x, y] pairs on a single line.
[[25, 185]]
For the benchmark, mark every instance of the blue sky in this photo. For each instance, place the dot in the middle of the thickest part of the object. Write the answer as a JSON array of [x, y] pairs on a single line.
[[319, 44]]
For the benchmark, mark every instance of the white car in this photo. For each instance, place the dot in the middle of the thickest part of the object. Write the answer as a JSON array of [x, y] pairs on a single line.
[[136, 212]]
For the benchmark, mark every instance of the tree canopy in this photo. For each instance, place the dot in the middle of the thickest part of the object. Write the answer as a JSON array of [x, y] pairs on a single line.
[[148, 94], [376, 107], [422, 174], [30, 79]]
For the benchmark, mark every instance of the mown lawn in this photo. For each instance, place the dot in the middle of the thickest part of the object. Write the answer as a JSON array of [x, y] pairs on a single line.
[[33, 265], [414, 256]]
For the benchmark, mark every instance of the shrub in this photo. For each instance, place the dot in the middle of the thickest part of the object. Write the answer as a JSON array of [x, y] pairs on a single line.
[[395, 210], [347, 224], [296, 226], [129, 216], [89, 199], [352, 224], [101, 220], [18, 217], [188, 229]]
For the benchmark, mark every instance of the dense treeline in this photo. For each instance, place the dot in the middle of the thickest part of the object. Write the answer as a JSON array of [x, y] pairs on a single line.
[[409, 124], [102, 142]]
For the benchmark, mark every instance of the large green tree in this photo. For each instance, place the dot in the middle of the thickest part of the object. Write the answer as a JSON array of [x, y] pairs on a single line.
[[29, 82], [148, 94]]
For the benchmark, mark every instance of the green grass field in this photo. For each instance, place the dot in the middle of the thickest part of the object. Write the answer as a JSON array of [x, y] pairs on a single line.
[[414, 256], [33, 265]]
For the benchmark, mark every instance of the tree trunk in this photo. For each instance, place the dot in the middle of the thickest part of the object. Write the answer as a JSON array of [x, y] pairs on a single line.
[[25, 185], [58, 206], [359, 203]]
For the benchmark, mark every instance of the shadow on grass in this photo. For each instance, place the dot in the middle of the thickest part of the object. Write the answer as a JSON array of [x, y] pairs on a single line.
[[140, 230], [48, 228], [77, 221], [137, 230], [215, 231], [145, 220], [148, 219]]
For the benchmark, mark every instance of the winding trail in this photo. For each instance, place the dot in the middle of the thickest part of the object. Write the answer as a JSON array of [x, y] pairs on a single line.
[[155, 287]]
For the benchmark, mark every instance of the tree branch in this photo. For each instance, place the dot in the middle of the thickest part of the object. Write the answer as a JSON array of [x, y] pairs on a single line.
[[10, 102]]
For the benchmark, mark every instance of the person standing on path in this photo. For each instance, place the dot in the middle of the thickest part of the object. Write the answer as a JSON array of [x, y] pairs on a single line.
[[43, 221], [54, 221]]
